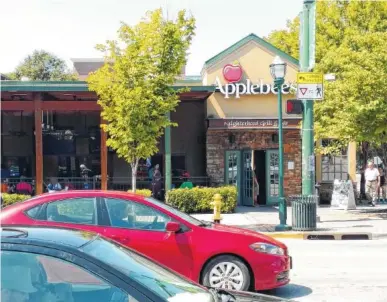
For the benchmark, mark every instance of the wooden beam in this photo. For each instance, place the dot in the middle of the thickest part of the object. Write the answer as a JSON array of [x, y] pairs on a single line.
[[17, 106], [104, 159], [66, 106], [38, 144]]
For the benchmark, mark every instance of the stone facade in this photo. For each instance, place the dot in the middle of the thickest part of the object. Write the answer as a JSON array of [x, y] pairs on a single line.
[[218, 142]]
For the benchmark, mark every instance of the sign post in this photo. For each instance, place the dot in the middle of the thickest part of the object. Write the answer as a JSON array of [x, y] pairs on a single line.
[[308, 92]]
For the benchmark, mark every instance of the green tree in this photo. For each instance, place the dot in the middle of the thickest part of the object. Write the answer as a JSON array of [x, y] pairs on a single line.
[[43, 66], [134, 86], [287, 39], [350, 42], [355, 105]]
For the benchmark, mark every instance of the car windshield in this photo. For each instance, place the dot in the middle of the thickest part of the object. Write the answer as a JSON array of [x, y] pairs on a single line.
[[174, 211], [162, 282]]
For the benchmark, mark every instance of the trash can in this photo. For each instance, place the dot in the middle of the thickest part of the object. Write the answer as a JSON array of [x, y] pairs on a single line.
[[304, 212]]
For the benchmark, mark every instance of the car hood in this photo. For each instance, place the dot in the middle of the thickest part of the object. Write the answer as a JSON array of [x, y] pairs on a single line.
[[253, 297], [254, 235]]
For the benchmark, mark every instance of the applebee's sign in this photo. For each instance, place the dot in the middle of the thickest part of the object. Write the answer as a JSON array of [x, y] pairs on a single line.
[[233, 73]]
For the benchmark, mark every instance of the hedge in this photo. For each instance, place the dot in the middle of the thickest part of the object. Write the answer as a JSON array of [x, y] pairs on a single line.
[[198, 200], [9, 199], [143, 192]]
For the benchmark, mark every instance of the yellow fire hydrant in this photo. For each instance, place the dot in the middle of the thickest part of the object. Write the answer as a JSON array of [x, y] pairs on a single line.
[[217, 203]]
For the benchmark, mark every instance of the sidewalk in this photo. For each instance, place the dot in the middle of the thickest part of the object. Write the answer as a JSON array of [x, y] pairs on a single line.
[[364, 219]]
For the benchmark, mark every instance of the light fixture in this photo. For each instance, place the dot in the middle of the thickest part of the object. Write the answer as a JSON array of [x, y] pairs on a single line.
[[231, 138], [278, 68]]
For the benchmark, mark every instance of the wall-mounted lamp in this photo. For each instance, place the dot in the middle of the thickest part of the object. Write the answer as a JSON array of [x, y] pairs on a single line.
[[274, 138], [231, 138]]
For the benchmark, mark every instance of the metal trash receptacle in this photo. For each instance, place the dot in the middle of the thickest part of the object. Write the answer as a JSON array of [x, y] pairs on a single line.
[[304, 212]]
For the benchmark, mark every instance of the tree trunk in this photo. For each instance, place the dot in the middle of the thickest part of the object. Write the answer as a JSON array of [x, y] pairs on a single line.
[[365, 149], [134, 166]]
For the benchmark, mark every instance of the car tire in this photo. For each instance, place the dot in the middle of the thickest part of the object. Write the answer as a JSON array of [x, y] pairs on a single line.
[[237, 268]]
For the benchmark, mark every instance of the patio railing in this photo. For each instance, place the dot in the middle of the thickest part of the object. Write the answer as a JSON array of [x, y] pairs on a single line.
[[93, 183]]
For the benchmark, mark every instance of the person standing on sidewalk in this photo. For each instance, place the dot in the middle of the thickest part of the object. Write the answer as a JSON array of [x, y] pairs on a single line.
[[372, 178], [383, 186]]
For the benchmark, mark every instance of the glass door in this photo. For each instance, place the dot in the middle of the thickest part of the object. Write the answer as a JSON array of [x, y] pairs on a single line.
[[272, 177], [247, 178], [232, 169]]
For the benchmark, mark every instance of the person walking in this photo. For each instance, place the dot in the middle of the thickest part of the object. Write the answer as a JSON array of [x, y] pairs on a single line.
[[372, 178], [383, 186], [156, 182]]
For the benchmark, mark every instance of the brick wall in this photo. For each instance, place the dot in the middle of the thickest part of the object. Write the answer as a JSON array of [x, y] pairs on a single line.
[[218, 143]]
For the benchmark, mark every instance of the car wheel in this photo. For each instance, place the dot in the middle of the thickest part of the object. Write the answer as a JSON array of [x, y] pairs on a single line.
[[227, 272]]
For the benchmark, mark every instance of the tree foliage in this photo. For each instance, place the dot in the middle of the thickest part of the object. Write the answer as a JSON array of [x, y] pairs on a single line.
[[134, 85], [42, 66], [351, 43]]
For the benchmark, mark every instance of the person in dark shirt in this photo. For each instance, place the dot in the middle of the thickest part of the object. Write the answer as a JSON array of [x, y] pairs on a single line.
[[156, 183], [382, 186]]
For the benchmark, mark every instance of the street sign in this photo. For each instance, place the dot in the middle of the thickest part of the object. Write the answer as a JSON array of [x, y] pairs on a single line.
[[310, 86], [310, 91], [310, 78]]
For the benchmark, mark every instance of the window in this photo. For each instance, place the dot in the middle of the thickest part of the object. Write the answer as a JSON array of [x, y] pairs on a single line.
[[27, 277], [34, 212], [133, 215], [175, 211], [77, 210], [231, 167], [334, 166], [157, 279]]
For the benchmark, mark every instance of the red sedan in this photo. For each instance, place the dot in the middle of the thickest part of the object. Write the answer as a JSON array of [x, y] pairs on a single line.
[[212, 254]]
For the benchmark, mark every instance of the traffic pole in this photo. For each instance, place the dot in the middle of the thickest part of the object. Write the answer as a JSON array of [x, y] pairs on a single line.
[[167, 157], [281, 196], [307, 47]]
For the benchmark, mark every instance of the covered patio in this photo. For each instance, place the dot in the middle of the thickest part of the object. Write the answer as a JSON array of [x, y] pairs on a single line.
[[50, 128]]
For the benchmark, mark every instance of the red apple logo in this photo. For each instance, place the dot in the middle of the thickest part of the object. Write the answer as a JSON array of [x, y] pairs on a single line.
[[232, 72]]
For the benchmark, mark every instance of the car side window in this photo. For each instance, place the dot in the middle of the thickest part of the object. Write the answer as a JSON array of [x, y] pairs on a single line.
[[28, 277], [75, 210], [34, 212], [133, 215]]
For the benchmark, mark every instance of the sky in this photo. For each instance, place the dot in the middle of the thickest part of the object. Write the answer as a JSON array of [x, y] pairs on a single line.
[[72, 28]]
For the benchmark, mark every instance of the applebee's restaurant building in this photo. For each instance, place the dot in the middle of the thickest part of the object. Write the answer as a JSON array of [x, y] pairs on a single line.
[[227, 127]]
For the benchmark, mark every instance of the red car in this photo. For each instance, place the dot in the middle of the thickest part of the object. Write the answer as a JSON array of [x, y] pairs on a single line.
[[214, 255]]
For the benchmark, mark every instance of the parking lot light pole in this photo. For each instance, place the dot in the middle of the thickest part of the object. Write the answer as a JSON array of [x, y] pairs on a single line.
[[278, 72]]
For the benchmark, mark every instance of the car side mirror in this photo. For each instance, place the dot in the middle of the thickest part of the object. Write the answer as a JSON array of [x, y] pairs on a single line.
[[173, 227]]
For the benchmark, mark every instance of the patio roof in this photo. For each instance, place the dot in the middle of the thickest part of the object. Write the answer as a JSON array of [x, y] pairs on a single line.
[[75, 86]]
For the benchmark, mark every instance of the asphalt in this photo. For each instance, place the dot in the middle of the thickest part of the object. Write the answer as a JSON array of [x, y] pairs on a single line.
[[330, 271], [364, 223]]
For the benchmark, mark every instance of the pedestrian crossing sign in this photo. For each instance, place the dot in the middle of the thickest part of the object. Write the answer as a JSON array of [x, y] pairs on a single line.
[[310, 91]]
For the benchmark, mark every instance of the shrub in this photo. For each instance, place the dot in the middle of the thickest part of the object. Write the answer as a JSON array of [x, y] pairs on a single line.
[[198, 200], [143, 192], [9, 199]]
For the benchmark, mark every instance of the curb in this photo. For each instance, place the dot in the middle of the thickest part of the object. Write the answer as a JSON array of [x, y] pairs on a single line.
[[284, 235], [323, 235]]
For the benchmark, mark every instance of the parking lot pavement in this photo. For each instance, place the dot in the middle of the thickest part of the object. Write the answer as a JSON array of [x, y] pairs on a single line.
[[330, 271]]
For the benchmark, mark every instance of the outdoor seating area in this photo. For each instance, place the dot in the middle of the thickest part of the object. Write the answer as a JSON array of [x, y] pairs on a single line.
[[26, 186]]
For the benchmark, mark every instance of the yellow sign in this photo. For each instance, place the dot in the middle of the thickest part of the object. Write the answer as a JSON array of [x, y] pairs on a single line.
[[310, 78]]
